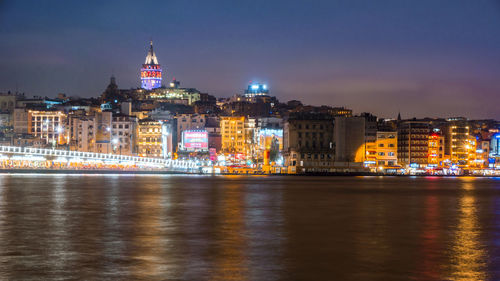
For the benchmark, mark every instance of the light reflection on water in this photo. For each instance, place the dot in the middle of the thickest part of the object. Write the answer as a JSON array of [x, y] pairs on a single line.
[[468, 255], [248, 228]]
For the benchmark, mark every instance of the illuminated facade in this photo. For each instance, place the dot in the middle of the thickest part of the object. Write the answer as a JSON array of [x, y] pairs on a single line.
[[387, 148], [149, 138], [457, 141], [233, 134], [436, 154], [83, 133], [473, 157], [494, 157], [151, 73], [174, 93], [122, 134], [48, 125]]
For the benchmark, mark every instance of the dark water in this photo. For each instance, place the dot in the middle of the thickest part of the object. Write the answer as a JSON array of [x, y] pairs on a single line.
[[126, 227]]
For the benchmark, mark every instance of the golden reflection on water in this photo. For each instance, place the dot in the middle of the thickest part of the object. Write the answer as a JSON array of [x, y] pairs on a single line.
[[148, 255], [2, 226], [230, 261], [468, 257]]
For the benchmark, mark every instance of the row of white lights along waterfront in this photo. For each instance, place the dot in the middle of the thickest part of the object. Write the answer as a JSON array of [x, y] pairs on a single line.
[[39, 154]]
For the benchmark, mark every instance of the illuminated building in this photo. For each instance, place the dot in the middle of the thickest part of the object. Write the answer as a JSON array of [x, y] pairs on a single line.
[[413, 143], [457, 135], [308, 143], [483, 152], [387, 147], [122, 134], [256, 89], [149, 141], [189, 122], [83, 133], [172, 94], [456, 139], [151, 71], [233, 135], [340, 111], [473, 161], [436, 154], [494, 160], [48, 125]]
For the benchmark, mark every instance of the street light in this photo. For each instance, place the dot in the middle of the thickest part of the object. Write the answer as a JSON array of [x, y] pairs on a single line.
[[115, 142]]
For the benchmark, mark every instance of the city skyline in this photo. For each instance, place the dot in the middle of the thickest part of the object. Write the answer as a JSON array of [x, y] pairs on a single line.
[[424, 60]]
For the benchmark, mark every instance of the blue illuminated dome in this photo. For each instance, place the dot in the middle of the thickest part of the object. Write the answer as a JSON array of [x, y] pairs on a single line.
[[256, 89]]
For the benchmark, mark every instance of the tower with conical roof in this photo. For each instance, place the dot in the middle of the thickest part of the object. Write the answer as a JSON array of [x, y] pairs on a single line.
[[151, 71]]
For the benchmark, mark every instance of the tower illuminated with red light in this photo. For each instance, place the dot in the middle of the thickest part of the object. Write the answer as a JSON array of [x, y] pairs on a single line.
[[151, 71]]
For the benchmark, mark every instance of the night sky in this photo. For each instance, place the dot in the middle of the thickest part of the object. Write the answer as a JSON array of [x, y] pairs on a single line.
[[425, 58]]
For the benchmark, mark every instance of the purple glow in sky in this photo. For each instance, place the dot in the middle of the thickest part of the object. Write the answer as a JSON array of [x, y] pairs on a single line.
[[423, 58]]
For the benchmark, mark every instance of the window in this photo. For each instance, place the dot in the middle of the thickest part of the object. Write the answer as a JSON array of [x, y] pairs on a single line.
[[391, 153], [380, 145], [391, 145], [381, 153]]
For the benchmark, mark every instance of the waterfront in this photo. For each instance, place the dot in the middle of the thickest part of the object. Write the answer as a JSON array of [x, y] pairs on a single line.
[[179, 227]]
